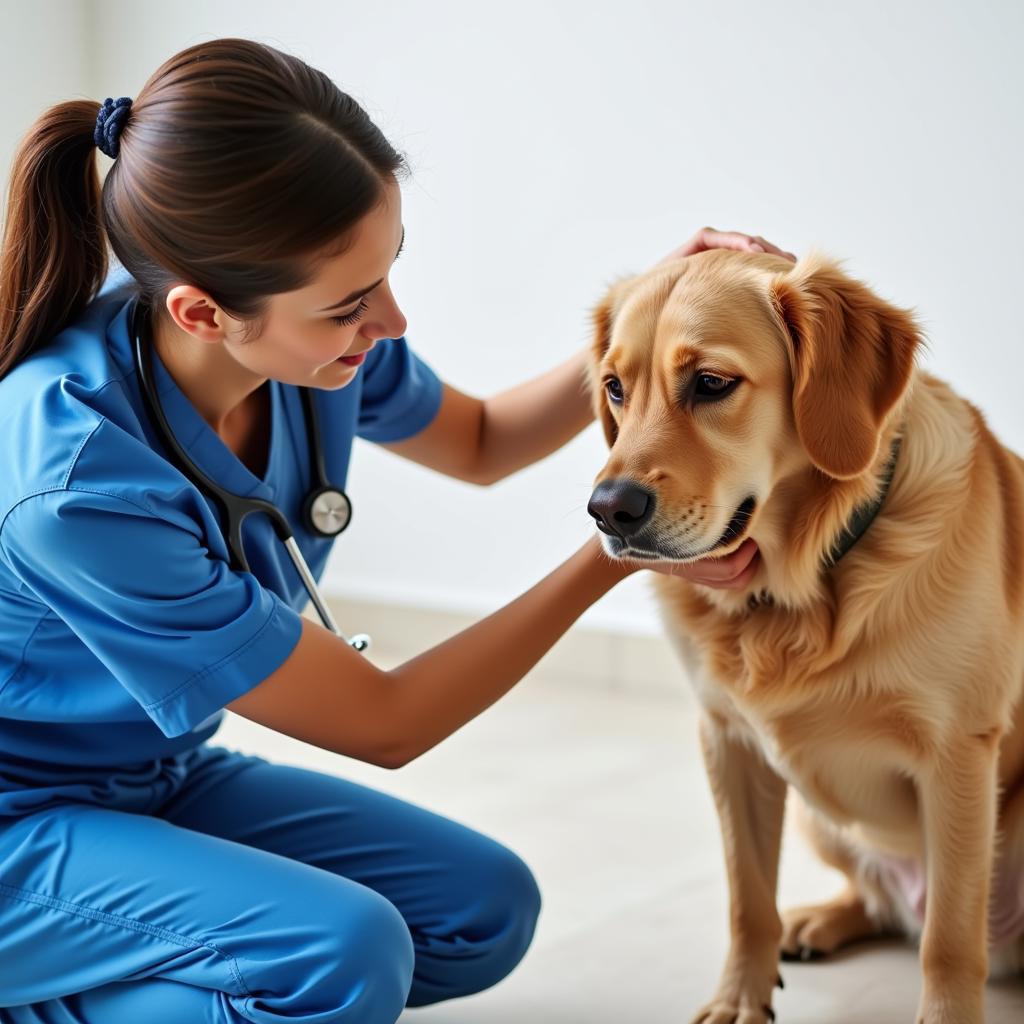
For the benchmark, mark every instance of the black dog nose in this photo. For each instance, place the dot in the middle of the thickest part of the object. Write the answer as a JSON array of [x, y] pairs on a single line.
[[620, 507]]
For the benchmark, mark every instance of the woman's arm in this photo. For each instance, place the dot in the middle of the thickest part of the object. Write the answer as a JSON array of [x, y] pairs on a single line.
[[328, 695], [482, 441]]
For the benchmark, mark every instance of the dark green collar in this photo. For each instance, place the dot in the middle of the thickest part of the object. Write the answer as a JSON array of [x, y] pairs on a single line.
[[864, 515]]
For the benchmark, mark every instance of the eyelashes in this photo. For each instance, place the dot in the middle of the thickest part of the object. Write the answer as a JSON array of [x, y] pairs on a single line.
[[351, 318], [357, 313]]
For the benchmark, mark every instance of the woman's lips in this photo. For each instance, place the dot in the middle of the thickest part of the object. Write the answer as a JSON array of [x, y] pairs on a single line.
[[352, 360]]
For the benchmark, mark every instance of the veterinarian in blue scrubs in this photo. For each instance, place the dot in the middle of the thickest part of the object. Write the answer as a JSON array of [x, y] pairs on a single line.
[[145, 874]]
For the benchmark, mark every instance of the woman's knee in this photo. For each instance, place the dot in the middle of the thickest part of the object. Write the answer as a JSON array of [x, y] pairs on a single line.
[[352, 965], [485, 937], [519, 902], [369, 960]]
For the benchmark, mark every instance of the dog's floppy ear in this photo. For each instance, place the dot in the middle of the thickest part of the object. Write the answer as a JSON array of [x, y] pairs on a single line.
[[852, 357], [602, 318]]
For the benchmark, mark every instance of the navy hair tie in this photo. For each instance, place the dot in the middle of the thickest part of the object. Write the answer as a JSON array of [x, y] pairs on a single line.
[[109, 124]]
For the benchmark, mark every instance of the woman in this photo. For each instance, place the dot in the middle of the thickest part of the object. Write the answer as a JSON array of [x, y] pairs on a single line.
[[146, 875]]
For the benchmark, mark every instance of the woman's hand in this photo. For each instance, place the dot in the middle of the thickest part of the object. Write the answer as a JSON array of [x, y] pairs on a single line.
[[730, 572], [709, 238]]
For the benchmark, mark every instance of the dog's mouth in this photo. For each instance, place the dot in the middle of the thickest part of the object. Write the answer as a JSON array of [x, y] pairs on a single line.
[[737, 525], [734, 530]]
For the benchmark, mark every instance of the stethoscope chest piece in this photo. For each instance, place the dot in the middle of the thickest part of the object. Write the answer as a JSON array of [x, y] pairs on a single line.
[[327, 511]]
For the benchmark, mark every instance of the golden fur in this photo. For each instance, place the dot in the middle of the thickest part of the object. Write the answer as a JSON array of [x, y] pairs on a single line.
[[886, 690]]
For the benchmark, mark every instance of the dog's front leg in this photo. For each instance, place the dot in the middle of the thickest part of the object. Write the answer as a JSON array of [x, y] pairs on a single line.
[[958, 804], [751, 800]]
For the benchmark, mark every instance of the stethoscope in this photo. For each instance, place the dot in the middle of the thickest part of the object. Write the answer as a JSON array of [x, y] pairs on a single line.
[[326, 510]]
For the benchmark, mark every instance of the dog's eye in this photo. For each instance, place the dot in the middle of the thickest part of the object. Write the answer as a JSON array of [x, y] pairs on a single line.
[[614, 388], [710, 386]]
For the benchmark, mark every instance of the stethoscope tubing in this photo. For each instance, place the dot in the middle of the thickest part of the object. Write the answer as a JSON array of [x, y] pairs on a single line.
[[234, 507]]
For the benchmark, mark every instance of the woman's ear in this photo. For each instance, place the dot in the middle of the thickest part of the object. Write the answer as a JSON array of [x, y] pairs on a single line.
[[852, 357], [603, 318]]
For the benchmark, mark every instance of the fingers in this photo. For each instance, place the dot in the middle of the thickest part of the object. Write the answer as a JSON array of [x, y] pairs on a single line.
[[730, 572], [710, 238], [733, 572], [757, 242], [726, 566], [768, 247]]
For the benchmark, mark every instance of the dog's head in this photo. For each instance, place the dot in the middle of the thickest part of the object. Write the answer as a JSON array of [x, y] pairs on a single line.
[[718, 376]]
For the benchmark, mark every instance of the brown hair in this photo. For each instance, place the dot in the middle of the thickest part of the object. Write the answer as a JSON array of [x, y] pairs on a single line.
[[240, 168]]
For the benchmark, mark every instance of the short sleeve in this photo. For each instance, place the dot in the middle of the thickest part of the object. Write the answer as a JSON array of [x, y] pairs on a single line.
[[179, 629], [401, 394]]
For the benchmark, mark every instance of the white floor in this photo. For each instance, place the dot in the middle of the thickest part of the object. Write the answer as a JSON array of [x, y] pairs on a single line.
[[604, 795]]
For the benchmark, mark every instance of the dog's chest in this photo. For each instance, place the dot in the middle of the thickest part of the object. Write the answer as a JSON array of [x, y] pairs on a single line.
[[841, 764], [815, 719]]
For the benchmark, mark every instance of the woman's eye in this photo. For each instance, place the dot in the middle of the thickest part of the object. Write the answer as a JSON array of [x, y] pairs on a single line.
[[351, 318], [710, 386], [614, 388]]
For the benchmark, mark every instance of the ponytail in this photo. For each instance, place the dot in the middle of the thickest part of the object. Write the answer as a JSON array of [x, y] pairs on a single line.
[[53, 257]]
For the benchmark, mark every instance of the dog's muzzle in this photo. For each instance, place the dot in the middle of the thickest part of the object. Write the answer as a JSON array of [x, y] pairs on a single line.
[[622, 509]]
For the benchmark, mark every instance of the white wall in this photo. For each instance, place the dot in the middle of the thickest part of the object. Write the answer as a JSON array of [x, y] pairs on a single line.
[[45, 58], [558, 145]]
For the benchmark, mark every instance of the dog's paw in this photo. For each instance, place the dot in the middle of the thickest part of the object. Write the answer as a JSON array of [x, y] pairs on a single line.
[[810, 933], [745, 989], [737, 1008]]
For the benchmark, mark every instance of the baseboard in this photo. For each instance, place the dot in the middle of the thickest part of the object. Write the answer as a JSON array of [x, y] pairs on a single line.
[[583, 656]]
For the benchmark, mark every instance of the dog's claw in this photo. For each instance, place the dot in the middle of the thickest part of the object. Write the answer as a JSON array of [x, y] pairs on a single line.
[[779, 982], [806, 954], [769, 1012]]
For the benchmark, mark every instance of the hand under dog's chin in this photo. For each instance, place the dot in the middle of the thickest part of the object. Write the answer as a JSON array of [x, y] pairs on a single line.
[[733, 571]]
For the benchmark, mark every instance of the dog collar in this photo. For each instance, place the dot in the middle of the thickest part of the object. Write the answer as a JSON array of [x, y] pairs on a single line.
[[863, 516]]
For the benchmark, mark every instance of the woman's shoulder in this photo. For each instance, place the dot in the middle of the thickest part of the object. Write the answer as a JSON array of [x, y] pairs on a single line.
[[98, 470], [65, 399], [80, 352]]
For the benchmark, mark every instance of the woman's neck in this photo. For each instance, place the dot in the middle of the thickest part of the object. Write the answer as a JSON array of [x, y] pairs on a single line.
[[221, 389]]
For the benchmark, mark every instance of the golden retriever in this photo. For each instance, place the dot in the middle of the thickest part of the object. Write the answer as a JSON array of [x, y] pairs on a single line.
[[874, 665]]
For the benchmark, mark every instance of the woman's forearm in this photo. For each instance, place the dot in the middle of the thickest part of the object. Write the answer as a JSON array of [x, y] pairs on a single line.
[[326, 694], [534, 419], [442, 689]]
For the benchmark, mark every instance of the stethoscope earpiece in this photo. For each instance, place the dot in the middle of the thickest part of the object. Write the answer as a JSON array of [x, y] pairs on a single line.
[[326, 509]]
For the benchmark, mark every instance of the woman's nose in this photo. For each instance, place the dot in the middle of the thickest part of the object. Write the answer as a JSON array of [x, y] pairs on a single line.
[[389, 321]]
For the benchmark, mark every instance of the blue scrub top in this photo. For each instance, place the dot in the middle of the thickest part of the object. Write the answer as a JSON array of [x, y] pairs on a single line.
[[123, 631]]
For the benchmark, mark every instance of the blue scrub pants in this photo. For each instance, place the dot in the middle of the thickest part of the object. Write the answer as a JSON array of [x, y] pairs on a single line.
[[214, 886]]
